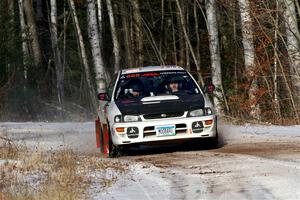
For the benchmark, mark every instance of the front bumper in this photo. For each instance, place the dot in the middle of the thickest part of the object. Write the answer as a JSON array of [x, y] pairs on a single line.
[[145, 130]]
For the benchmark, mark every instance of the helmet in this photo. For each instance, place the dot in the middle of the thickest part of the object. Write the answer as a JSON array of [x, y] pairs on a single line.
[[136, 87], [174, 79]]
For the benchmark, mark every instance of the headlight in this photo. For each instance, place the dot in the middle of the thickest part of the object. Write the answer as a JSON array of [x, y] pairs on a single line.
[[208, 111], [131, 118], [196, 113], [200, 112], [126, 118]]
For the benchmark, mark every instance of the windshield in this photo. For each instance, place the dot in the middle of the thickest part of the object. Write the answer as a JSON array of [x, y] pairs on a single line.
[[139, 85]]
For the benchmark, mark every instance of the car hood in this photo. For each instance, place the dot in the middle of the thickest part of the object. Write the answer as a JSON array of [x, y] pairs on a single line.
[[184, 102]]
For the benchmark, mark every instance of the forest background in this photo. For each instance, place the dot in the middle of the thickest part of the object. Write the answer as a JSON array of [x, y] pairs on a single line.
[[56, 55]]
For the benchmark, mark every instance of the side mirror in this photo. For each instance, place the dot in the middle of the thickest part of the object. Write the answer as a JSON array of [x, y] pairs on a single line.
[[209, 88], [103, 97]]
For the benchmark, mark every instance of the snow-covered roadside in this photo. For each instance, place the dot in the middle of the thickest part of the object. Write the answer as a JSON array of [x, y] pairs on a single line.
[[79, 137], [142, 182], [226, 173], [271, 130], [234, 134]]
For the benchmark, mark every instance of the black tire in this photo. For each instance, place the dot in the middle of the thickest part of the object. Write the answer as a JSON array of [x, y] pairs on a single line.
[[214, 142], [114, 151]]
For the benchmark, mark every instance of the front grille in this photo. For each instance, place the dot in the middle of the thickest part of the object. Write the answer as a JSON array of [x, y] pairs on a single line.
[[181, 128], [163, 115], [150, 130]]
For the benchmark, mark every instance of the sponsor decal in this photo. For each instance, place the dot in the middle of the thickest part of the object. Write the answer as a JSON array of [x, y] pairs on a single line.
[[150, 74], [133, 75]]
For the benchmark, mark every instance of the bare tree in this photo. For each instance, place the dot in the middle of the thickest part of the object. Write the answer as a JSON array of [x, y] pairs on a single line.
[[100, 21], [180, 33], [214, 47], [137, 18], [125, 26], [35, 46], [11, 7], [188, 41], [94, 38], [57, 56], [39, 10], [293, 44], [249, 56], [24, 43], [275, 79], [116, 45], [83, 54]]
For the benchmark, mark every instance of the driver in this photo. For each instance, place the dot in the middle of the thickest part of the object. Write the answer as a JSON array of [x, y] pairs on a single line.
[[135, 90], [173, 85]]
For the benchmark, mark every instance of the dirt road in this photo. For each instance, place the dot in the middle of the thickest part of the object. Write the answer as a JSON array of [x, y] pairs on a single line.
[[247, 165], [252, 162]]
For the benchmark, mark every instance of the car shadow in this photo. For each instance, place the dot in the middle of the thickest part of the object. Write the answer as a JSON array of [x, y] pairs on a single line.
[[181, 146]]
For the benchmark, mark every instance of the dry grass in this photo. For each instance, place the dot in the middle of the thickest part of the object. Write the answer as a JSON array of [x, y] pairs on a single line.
[[35, 175]]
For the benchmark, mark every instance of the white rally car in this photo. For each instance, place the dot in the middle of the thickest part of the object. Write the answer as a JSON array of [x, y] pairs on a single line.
[[152, 104]]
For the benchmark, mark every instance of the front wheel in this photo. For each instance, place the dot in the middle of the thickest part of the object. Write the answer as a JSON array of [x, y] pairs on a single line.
[[114, 151], [214, 142]]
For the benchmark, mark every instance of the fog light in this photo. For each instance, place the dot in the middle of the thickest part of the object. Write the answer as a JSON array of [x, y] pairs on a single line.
[[208, 122], [120, 129], [197, 127], [132, 132]]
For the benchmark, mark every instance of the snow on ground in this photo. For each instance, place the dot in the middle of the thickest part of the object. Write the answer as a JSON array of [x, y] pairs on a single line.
[[271, 130], [254, 162], [51, 136]]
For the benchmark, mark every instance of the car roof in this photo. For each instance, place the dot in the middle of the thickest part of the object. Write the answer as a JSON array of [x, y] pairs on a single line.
[[151, 69]]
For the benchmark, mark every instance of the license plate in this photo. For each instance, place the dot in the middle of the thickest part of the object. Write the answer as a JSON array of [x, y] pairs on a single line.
[[166, 130]]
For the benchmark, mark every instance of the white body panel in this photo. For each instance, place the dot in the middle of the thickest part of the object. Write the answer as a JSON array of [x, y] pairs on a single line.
[[144, 136], [121, 139]]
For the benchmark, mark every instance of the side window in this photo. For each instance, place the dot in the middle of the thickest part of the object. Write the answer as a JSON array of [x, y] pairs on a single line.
[[111, 85]]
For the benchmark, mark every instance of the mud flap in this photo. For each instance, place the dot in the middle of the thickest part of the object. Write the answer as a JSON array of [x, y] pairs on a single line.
[[105, 149], [102, 137], [98, 133]]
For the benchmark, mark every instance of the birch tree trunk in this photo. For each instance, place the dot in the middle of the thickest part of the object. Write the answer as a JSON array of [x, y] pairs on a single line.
[[275, 79], [11, 12], [11, 7], [127, 43], [137, 18], [57, 56], [83, 55], [116, 45], [214, 47], [39, 10], [100, 21], [24, 43], [293, 45], [36, 49], [93, 31], [249, 56], [197, 34], [180, 30]]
